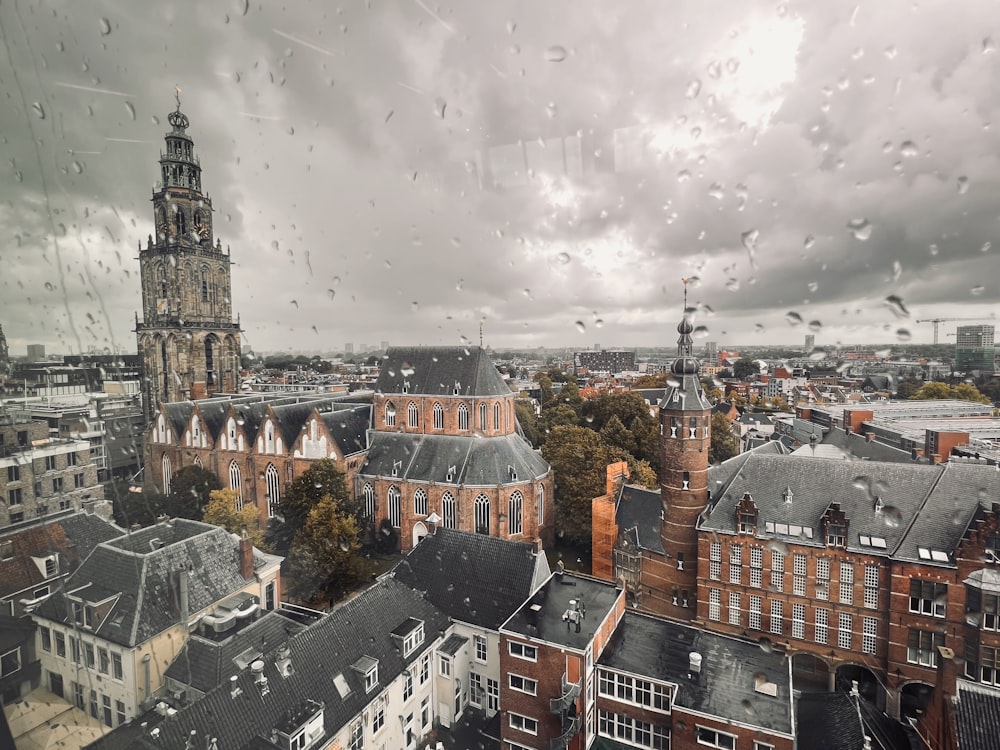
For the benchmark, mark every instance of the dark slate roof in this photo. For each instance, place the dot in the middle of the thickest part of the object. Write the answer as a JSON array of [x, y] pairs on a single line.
[[204, 663], [143, 578], [453, 643], [72, 537], [291, 418], [755, 418], [474, 578], [348, 425], [214, 411], [830, 721], [541, 617], [319, 653], [478, 461], [685, 394], [949, 510], [922, 506], [977, 716], [440, 371], [858, 446], [638, 514], [661, 649], [178, 413], [816, 483]]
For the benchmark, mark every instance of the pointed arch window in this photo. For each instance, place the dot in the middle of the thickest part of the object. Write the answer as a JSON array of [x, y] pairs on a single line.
[[161, 274], [412, 415], [438, 417], [390, 414], [236, 482], [273, 482], [198, 463], [449, 511], [204, 285], [420, 503], [540, 501], [514, 513], [463, 417], [368, 496], [496, 416], [395, 507], [269, 437], [482, 416], [166, 474], [482, 508]]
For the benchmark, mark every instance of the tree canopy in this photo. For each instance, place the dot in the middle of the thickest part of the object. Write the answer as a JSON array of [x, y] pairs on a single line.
[[724, 444], [322, 479], [190, 491], [324, 560], [961, 391], [221, 511]]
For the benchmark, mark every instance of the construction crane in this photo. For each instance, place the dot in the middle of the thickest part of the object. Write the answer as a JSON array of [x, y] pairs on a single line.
[[937, 321]]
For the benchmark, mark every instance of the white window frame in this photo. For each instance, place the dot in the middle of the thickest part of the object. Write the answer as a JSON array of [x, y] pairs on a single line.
[[395, 509], [735, 607], [722, 740], [522, 684], [522, 723], [522, 650], [515, 513], [481, 650]]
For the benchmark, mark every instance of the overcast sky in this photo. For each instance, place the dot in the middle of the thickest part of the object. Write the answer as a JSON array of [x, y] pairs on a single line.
[[400, 170]]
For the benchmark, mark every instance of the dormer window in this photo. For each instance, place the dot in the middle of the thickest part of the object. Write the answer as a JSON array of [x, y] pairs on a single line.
[[836, 535], [746, 515], [409, 635], [368, 667]]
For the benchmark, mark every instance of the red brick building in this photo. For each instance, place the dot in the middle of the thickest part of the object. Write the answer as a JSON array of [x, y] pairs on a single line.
[[577, 665]]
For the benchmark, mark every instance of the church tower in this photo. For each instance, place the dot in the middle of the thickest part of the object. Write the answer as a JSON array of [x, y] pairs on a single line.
[[188, 342], [685, 421]]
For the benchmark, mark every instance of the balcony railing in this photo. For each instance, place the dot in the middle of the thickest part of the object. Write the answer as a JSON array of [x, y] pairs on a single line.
[[570, 690]]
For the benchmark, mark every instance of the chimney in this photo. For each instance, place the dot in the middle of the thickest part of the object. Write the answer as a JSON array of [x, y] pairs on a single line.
[[694, 665], [246, 558], [184, 594]]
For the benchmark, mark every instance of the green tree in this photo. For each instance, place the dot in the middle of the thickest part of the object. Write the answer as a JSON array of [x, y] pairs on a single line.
[[526, 417], [190, 490], [579, 460], [745, 368], [969, 392], [642, 473], [570, 396], [141, 507], [322, 479], [658, 380], [907, 388], [556, 416], [547, 393], [724, 444], [615, 434], [324, 560], [221, 511]]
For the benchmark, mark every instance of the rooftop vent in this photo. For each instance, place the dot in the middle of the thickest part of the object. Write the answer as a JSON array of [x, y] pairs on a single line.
[[694, 663], [260, 680]]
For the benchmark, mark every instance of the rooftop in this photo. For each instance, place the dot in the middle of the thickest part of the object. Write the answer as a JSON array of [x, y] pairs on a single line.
[[566, 611], [739, 680]]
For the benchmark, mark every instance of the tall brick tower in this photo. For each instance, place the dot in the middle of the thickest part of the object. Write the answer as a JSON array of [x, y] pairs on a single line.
[[685, 419], [189, 344]]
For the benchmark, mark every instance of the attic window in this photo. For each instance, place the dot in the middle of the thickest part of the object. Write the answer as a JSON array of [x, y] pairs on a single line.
[[343, 689], [410, 634], [934, 555], [764, 686], [367, 666]]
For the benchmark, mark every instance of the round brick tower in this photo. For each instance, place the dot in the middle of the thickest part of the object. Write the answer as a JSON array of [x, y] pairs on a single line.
[[685, 422]]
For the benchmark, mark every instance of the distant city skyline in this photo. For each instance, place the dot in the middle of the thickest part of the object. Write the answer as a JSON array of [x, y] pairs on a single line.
[[394, 173]]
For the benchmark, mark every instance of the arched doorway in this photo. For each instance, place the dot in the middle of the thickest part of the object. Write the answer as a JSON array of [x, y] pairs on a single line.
[[913, 699], [419, 532], [810, 674], [868, 683]]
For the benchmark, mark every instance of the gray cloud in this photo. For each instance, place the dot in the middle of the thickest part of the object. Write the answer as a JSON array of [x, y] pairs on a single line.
[[351, 157]]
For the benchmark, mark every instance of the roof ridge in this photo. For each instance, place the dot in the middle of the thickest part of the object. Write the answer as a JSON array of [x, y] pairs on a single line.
[[140, 596], [916, 513]]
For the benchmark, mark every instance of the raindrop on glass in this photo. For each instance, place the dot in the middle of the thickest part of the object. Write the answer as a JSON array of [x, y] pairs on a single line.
[[793, 318], [895, 304], [555, 53], [39, 110], [581, 327], [963, 185], [977, 290], [860, 228], [693, 89], [903, 335], [105, 26]]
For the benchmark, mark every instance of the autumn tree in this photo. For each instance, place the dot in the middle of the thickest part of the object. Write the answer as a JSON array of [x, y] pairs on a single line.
[[559, 415], [615, 434], [724, 444], [961, 391], [321, 480], [657, 380], [324, 560], [745, 368], [547, 392], [222, 511]]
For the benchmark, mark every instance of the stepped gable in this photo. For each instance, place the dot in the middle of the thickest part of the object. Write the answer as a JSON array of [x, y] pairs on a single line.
[[440, 371], [474, 578]]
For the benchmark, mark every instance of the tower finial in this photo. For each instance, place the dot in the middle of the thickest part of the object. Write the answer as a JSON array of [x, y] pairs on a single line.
[[685, 281], [177, 97]]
